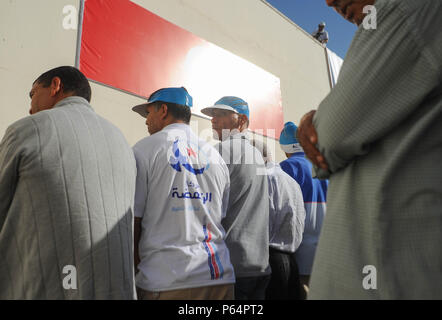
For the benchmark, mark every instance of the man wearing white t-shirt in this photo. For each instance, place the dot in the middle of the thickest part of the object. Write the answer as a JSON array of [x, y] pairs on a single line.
[[181, 196]]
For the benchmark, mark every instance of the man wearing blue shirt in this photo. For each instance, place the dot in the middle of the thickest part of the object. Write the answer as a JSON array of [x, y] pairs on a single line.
[[314, 192]]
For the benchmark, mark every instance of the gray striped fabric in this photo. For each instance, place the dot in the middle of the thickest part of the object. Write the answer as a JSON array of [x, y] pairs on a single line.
[[380, 130], [67, 183]]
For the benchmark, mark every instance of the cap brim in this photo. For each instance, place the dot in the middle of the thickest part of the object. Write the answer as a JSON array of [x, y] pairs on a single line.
[[141, 109], [208, 111]]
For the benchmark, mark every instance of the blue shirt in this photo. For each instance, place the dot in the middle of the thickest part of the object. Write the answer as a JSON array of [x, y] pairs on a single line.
[[314, 192]]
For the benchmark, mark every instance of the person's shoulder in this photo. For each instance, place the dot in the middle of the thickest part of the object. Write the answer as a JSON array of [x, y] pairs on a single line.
[[423, 15], [23, 122], [286, 179], [209, 150], [293, 160], [411, 5], [285, 164], [408, 9], [272, 178], [151, 141], [271, 168], [25, 132], [248, 145], [225, 145], [278, 170], [24, 126], [210, 154], [298, 163]]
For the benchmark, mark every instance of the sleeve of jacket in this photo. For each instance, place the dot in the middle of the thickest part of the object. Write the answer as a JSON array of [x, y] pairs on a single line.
[[291, 206], [9, 166], [386, 75], [225, 199], [141, 184]]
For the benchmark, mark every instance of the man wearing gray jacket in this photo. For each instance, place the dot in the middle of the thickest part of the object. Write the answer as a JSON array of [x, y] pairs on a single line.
[[67, 184], [247, 219]]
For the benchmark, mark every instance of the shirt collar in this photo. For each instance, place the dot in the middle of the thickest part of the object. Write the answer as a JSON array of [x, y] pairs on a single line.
[[298, 154], [174, 126], [72, 100], [240, 135]]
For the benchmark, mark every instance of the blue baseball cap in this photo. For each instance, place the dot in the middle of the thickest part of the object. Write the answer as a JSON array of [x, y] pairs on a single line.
[[288, 134], [169, 95], [231, 103]]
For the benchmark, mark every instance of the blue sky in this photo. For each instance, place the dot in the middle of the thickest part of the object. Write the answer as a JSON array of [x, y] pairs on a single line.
[[309, 13]]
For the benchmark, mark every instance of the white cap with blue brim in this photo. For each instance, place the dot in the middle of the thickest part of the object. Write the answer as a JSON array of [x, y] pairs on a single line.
[[231, 103]]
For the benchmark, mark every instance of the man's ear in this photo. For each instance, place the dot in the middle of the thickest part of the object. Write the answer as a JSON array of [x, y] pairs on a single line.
[[56, 86], [243, 120], [163, 110]]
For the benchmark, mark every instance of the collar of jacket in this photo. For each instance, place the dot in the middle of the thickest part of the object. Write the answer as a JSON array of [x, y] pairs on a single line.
[[72, 100], [298, 154], [240, 135]]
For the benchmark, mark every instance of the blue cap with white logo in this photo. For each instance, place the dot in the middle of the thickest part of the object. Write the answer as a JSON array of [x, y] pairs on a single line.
[[231, 103], [169, 95], [287, 139], [288, 134]]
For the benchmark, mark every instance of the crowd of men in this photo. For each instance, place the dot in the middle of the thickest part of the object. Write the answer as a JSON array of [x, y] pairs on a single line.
[[172, 218], [85, 216]]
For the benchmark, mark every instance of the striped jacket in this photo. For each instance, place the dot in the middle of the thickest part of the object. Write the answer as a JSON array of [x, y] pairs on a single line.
[[67, 185]]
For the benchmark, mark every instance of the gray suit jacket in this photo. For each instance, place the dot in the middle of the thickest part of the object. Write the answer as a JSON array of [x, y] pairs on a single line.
[[67, 184], [247, 218]]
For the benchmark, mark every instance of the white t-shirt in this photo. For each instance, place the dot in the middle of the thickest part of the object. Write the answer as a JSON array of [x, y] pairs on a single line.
[[287, 213], [181, 195]]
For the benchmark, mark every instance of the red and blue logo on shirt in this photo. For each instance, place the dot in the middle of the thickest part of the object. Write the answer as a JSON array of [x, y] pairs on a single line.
[[189, 156]]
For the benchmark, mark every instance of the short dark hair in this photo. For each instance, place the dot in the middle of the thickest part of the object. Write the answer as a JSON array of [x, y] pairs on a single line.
[[178, 111], [71, 78]]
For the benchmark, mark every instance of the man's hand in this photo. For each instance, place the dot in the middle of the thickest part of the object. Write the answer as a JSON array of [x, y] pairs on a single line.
[[308, 138]]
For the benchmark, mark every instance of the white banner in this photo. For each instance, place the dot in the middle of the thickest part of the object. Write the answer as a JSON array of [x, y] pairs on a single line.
[[335, 64]]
